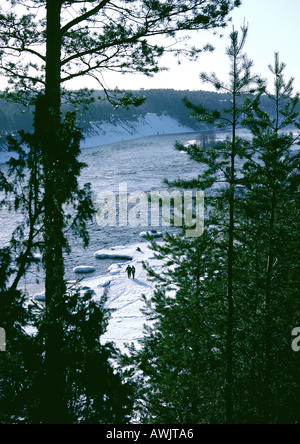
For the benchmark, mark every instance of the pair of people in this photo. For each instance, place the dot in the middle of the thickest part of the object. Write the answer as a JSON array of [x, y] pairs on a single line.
[[130, 272]]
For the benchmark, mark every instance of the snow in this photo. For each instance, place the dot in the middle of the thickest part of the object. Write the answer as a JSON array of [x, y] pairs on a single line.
[[37, 257], [121, 253], [5, 156], [84, 269], [119, 130], [115, 269], [126, 324], [152, 233], [103, 133], [191, 142], [106, 283], [39, 297]]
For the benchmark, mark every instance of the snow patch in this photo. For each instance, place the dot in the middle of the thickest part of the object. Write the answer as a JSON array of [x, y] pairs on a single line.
[[121, 253], [84, 269], [114, 269], [5, 156], [125, 296], [105, 284], [127, 322], [39, 297], [104, 133], [152, 233]]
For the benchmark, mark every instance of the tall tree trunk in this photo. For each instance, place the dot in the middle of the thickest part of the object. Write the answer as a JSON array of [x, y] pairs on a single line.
[[54, 408]]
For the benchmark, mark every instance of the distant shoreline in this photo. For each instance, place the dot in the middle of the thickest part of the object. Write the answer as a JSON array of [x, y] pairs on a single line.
[[151, 125], [105, 133]]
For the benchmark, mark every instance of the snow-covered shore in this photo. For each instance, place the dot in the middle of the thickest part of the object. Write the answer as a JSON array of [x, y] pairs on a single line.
[[125, 295], [126, 323], [104, 133]]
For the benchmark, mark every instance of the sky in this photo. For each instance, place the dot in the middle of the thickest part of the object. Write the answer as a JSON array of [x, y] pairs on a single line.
[[273, 27]]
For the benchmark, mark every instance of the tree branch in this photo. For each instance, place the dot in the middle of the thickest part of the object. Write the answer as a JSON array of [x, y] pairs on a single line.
[[83, 17]]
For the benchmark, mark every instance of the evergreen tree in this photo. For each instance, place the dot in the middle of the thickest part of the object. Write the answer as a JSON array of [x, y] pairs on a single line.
[[92, 391], [20, 363], [219, 255], [16, 363], [186, 362], [223, 164], [270, 213], [179, 368]]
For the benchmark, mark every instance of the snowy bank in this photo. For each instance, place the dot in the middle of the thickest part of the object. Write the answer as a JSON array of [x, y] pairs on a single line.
[[126, 324], [104, 133], [125, 295], [119, 130]]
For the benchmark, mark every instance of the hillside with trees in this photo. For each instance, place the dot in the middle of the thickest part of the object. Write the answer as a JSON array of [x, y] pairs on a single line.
[[15, 117]]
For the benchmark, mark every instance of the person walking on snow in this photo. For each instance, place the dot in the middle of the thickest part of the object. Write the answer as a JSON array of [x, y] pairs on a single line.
[[133, 272], [129, 271]]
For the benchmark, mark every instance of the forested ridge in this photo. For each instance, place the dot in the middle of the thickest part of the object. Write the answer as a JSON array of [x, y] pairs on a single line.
[[15, 117]]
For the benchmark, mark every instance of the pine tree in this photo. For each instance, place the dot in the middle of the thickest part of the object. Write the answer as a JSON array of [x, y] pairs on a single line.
[[201, 318], [223, 165], [178, 367], [13, 317], [271, 227], [20, 363], [92, 391], [23, 186]]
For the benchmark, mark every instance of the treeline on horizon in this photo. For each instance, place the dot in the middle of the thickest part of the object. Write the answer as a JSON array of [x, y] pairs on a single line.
[[15, 117]]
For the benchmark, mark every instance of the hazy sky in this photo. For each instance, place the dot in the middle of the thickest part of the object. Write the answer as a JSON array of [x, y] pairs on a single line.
[[273, 26]]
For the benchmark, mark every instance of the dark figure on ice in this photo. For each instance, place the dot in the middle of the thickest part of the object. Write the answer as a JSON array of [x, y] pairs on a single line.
[[133, 272], [129, 271]]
